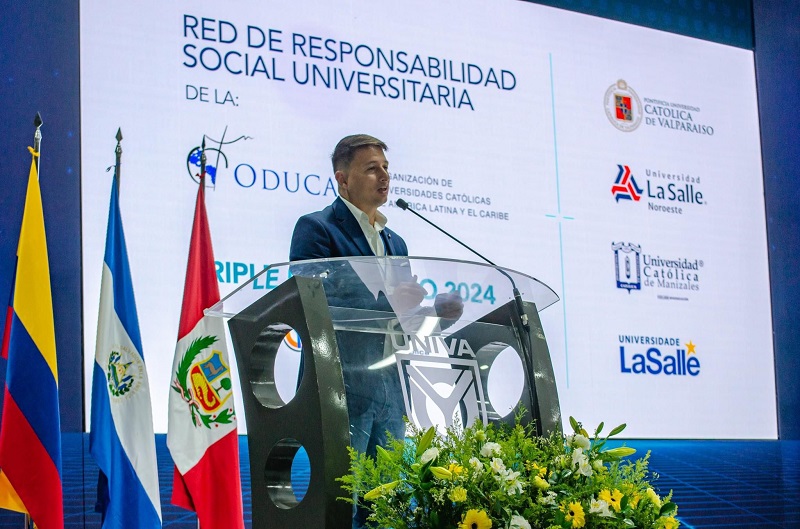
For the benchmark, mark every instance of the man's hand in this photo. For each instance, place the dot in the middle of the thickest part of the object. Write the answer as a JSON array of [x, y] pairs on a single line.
[[408, 295], [449, 306]]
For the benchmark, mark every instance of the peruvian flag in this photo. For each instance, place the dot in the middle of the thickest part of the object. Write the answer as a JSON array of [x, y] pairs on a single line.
[[202, 437]]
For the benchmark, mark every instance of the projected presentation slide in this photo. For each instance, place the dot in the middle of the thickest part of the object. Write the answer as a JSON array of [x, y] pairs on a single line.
[[619, 165]]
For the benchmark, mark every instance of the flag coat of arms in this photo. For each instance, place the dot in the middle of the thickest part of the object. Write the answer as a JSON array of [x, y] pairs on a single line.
[[121, 439], [202, 436], [30, 434]]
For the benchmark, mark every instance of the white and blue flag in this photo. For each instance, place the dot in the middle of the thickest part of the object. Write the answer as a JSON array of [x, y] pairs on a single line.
[[121, 439]]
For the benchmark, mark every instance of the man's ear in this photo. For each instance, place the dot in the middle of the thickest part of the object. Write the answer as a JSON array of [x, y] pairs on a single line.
[[341, 178]]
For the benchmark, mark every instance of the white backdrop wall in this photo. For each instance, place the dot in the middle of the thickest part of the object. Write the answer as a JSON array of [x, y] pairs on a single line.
[[503, 127]]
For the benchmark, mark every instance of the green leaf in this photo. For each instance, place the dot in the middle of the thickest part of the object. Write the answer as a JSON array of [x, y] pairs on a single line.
[[225, 417], [383, 454], [617, 430], [629, 522], [425, 441], [425, 473], [195, 348], [574, 424], [599, 429], [667, 509]]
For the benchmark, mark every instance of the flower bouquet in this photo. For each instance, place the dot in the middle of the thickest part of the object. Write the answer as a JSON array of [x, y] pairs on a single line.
[[501, 476]]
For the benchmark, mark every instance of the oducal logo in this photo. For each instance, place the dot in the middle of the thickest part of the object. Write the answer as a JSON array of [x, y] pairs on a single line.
[[670, 276], [666, 192], [657, 355], [623, 107], [237, 171]]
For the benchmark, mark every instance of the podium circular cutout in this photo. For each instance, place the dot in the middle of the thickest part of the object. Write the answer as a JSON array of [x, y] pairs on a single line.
[[275, 365], [287, 473], [504, 375]]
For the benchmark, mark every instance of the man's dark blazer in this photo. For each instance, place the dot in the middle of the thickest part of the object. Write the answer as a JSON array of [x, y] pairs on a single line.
[[335, 232]]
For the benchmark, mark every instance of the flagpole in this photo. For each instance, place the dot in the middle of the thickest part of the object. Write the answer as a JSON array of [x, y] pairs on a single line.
[[118, 163], [37, 145], [203, 160]]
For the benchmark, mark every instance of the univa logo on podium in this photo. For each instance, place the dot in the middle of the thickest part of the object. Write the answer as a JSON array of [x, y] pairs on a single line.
[[440, 389], [657, 355]]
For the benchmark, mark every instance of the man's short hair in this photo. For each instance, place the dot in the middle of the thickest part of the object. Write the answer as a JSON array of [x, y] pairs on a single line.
[[346, 149]]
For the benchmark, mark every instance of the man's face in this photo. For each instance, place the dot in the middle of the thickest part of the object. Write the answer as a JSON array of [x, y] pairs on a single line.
[[366, 182]]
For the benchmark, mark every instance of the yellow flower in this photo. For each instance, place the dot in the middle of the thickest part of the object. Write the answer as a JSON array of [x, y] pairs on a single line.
[[667, 523], [635, 499], [653, 497], [532, 466], [441, 473], [540, 484], [574, 514], [612, 498], [475, 520], [458, 495], [380, 490], [455, 469]]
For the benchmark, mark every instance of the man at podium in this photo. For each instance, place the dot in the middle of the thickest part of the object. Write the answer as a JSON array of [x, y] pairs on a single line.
[[353, 226]]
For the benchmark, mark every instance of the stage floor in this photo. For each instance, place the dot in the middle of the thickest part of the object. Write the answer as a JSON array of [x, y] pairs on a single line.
[[719, 484]]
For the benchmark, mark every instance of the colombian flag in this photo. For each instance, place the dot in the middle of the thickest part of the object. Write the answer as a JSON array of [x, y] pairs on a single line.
[[30, 433]]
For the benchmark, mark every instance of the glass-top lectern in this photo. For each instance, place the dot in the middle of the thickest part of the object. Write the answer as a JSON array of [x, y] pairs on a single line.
[[336, 352]]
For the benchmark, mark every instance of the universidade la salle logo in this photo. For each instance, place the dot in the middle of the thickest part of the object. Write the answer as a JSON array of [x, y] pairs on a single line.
[[123, 372], [204, 382]]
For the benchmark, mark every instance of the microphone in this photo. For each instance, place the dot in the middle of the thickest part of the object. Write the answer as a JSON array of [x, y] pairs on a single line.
[[402, 204]]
